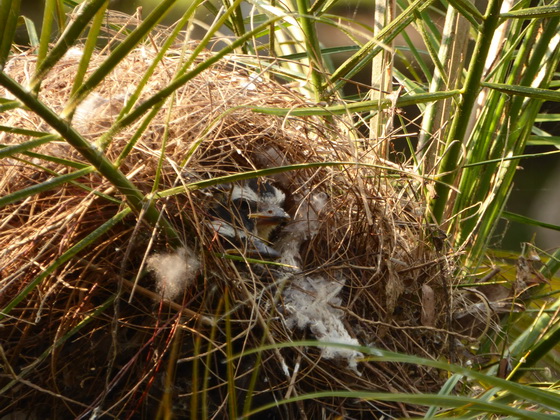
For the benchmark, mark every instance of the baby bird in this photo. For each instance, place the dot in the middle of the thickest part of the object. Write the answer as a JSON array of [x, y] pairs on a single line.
[[247, 213]]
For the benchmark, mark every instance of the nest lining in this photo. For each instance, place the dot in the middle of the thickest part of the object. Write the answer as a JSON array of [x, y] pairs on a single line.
[[382, 270]]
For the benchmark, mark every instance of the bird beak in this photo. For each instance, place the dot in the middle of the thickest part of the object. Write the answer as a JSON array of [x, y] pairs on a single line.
[[272, 216]]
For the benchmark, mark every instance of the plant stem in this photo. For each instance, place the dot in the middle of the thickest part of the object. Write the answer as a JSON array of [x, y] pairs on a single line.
[[455, 138], [313, 48]]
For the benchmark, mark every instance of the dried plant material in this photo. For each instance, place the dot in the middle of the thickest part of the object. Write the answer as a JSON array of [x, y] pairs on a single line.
[[428, 316], [526, 276], [174, 272], [394, 287], [211, 131], [310, 302]]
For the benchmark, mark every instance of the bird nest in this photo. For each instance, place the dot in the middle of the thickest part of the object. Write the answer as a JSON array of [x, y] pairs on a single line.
[[107, 314]]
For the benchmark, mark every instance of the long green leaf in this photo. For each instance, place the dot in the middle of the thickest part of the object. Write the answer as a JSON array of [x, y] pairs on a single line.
[[23, 131], [473, 405], [447, 389], [459, 126], [9, 13], [513, 217], [468, 10], [363, 106], [23, 193], [89, 47], [552, 266], [550, 341], [528, 92], [46, 30], [512, 118], [544, 141], [312, 48], [7, 104], [534, 12], [276, 170], [515, 157], [31, 32]]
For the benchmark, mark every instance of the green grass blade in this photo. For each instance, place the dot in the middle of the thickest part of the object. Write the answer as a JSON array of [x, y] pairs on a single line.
[[547, 11], [424, 65], [48, 158], [472, 405], [230, 368], [363, 106], [237, 22], [27, 145], [312, 48], [322, 6], [508, 158], [8, 104], [468, 10], [459, 125], [435, 119], [523, 345], [23, 131], [9, 14], [544, 141], [446, 389], [89, 47], [525, 91], [548, 118], [46, 30], [552, 266], [550, 341], [525, 392], [513, 217], [535, 62], [23, 193], [276, 170], [86, 12], [31, 32]]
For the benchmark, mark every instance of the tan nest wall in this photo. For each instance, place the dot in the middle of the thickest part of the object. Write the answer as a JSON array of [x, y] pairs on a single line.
[[369, 246]]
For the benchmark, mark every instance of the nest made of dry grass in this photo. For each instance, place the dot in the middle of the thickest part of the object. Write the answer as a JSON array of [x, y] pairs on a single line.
[[371, 234]]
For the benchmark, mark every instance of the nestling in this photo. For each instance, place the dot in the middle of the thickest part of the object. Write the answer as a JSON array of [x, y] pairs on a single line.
[[247, 213]]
